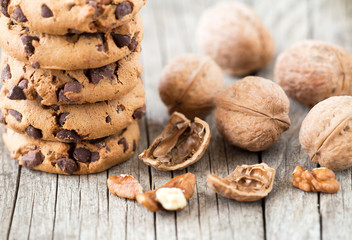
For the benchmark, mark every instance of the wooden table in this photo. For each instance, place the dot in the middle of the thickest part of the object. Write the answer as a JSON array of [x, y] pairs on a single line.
[[35, 205]]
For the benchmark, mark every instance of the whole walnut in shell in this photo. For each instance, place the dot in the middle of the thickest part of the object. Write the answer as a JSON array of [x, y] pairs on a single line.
[[311, 71], [189, 84], [252, 113], [235, 37], [326, 133]]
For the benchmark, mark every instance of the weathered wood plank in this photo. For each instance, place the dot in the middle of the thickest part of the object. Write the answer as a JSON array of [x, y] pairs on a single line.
[[331, 22], [10, 174], [289, 213]]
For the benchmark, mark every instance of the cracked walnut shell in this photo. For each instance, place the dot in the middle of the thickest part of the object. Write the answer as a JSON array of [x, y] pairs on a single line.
[[247, 183], [189, 84], [180, 144], [252, 113], [326, 133], [185, 182], [235, 37], [319, 180], [311, 71]]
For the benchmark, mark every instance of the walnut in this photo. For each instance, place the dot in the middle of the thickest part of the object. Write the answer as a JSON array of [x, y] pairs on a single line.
[[326, 133], [189, 84], [247, 183], [311, 71], [320, 180], [180, 144], [172, 199], [252, 113], [124, 186], [185, 182], [235, 37]]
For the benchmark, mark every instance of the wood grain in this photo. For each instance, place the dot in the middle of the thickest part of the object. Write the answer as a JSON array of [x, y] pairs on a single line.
[[35, 205]]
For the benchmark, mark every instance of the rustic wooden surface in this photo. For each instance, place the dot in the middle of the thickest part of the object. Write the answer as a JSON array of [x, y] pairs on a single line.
[[35, 205]]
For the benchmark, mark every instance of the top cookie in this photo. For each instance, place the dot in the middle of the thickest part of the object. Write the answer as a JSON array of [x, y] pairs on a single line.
[[68, 16], [72, 51]]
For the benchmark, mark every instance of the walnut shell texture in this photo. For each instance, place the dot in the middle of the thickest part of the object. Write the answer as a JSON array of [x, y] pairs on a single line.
[[246, 184], [311, 71], [252, 113], [326, 133], [189, 84], [180, 144], [235, 37]]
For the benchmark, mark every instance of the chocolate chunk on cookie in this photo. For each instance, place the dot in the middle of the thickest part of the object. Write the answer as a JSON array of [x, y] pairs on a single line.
[[123, 9], [15, 114], [16, 93], [46, 11], [32, 159], [34, 132], [67, 165]]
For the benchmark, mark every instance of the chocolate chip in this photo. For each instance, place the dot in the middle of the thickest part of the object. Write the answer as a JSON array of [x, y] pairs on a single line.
[[133, 45], [95, 157], [95, 75], [34, 132], [35, 65], [4, 4], [62, 118], [2, 118], [15, 114], [108, 119], [134, 145], [82, 155], [120, 108], [74, 87], [100, 47], [46, 11], [123, 9], [139, 112], [124, 144], [28, 45], [54, 107], [32, 159], [67, 165], [68, 136], [16, 93], [6, 72], [121, 40], [23, 84], [18, 15]]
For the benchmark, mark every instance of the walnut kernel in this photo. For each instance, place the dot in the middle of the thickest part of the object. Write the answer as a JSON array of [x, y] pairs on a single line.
[[124, 186], [320, 180], [171, 199]]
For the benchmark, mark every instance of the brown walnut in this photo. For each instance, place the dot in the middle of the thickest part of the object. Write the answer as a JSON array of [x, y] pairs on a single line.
[[326, 133], [319, 180], [124, 186], [180, 144], [247, 183], [189, 84], [185, 182], [235, 37], [311, 71], [252, 113]]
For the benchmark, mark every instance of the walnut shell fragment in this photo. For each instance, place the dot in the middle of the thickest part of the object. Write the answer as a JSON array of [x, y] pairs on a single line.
[[180, 144], [319, 180], [124, 186], [326, 133], [246, 184], [185, 182]]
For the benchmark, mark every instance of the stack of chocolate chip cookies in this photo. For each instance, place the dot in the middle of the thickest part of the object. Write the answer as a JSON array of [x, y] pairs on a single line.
[[71, 88]]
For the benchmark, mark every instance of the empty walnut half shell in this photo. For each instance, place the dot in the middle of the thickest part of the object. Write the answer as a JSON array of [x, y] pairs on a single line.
[[246, 184], [185, 182], [180, 144]]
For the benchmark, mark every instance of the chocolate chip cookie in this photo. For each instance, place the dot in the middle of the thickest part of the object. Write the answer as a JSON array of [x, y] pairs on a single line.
[[71, 51], [70, 123], [67, 16], [79, 158], [58, 87]]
